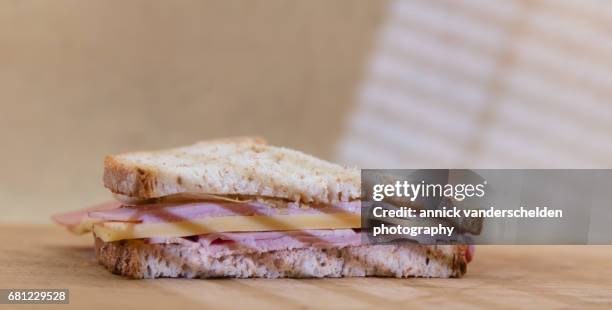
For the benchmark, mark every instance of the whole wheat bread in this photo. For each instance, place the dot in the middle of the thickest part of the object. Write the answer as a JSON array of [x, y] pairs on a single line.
[[138, 259], [245, 166]]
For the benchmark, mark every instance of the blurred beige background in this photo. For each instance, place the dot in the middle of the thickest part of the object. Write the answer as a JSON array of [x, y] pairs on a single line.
[[82, 79], [376, 84]]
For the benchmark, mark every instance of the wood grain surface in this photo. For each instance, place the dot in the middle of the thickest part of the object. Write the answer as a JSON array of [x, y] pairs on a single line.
[[501, 276]]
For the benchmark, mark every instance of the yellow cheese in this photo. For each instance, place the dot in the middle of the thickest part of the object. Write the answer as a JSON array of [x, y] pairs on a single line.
[[112, 231], [84, 226]]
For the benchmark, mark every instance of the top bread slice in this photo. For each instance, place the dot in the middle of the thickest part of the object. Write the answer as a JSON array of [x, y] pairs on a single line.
[[234, 166]]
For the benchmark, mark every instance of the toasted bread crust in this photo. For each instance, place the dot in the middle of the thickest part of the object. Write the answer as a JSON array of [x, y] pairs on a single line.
[[137, 259], [246, 166]]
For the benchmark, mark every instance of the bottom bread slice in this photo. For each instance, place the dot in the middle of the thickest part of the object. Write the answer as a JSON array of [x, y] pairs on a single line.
[[138, 259]]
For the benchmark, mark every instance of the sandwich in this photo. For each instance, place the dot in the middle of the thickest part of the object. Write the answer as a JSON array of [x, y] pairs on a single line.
[[241, 208]]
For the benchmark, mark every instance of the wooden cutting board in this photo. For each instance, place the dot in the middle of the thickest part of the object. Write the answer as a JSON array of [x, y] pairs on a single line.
[[500, 276]]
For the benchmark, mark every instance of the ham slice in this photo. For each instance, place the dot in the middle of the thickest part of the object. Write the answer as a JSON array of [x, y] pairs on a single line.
[[220, 244], [158, 213], [326, 235], [79, 221]]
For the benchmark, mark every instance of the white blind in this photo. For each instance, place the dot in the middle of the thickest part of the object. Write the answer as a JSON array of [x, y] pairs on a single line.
[[487, 84]]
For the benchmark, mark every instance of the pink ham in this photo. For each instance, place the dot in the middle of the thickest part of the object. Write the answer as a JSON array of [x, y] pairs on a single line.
[[157, 213], [74, 219], [219, 244], [329, 235], [469, 255]]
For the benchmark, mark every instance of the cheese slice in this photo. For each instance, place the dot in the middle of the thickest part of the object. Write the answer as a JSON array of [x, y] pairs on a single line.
[[84, 226], [113, 231]]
